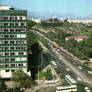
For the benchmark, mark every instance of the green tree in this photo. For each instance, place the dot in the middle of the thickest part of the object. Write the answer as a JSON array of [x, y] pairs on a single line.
[[21, 78], [34, 59], [2, 86], [48, 74], [30, 24], [32, 38]]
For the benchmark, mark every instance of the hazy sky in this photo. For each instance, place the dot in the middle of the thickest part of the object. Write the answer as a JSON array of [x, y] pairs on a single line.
[[79, 8]]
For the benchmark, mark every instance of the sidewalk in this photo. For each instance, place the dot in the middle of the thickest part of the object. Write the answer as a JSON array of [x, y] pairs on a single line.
[[46, 87]]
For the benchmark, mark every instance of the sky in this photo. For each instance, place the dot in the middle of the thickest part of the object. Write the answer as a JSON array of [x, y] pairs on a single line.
[[79, 8]]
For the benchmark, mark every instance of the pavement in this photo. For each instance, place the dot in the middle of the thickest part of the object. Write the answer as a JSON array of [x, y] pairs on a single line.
[[46, 87], [74, 69]]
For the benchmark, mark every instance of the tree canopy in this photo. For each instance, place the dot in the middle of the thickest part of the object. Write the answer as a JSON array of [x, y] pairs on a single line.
[[2, 86], [21, 78]]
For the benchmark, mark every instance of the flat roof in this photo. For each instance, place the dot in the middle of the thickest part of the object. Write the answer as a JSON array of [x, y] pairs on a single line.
[[6, 7], [70, 78]]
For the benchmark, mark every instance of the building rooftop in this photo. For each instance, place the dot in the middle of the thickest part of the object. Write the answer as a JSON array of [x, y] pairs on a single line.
[[77, 37], [6, 8], [70, 79]]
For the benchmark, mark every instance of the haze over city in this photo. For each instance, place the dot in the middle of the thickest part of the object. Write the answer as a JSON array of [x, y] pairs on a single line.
[[60, 8]]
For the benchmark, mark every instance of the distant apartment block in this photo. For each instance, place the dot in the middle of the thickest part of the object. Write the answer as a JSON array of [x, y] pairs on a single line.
[[13, 41], [80, 20], [38, 20], [77, 38]]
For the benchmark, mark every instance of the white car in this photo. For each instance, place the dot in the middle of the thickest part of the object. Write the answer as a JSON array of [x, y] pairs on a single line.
[[67, 69], [79, 78], [80, 67]]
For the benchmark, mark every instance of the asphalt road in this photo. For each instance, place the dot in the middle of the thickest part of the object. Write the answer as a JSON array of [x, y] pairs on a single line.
[[74, 69], [66, 59]]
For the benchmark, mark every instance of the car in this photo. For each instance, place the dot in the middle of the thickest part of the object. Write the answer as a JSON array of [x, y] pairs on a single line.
[[67, 69], [80, 67], [79, 78]]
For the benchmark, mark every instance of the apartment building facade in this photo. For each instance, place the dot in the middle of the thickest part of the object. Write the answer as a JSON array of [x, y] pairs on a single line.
[[13, 41]]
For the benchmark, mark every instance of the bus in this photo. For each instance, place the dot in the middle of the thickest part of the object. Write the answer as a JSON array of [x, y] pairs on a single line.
[[71, 88], [70, 80]]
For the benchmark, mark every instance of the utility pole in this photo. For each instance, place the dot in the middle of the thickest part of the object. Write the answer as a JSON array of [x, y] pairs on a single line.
[[38, 75], [41, 61]]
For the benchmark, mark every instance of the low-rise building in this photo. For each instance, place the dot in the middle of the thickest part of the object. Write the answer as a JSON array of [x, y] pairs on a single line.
[[38, 20], [77, 38], [80, 20]]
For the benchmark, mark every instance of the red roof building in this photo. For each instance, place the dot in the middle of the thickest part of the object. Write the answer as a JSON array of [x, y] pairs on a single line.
[[78, 38]]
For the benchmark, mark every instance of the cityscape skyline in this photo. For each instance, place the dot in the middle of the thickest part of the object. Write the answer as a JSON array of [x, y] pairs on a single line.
[[79, 8]]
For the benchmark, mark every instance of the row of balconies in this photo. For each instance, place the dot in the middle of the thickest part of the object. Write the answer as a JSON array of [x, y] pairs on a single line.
[[12, 17], [13, 30], [12, 23]]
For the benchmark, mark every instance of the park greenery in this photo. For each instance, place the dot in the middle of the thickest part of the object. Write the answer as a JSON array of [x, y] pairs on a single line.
[[21, 79], [81, 87], [82, 49], [62, 30], [48, 74], [2, 86], [45, 75]]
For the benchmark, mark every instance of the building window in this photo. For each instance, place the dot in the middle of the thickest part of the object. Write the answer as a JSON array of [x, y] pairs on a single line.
[[22, 24], [11, 42], [5, 24], [12, 54], [11, 30], [17, 42], [6, 36], [5, 42], [11, 36], [12, 65], [16, 18], [20, 53], [6, 54], [11, 24], [20, 65], [5, 30], [6, 65], [12, 59], [6, 59], [20, 18], [7, 70], [11, 18], [12, 48], [17, 48], [5, 18], [12, 70], [18, 30], [6, 48], [16, 24]]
